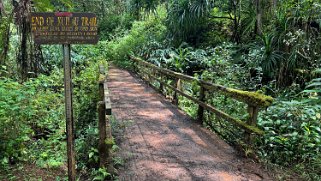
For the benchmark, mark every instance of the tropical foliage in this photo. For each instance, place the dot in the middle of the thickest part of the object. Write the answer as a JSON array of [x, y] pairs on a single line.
[[268, 46]]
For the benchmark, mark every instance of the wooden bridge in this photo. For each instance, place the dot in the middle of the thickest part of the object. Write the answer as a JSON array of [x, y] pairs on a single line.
[[160, 142]]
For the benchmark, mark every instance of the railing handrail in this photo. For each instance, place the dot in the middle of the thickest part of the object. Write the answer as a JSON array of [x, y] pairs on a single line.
[[251, 98], [254, 100]]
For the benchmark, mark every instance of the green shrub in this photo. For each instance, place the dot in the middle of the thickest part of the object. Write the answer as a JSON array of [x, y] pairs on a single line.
[[113, 23], [32, 121], [293, 134], [86, 98], [140, 34], [29, 110], [14, 119]]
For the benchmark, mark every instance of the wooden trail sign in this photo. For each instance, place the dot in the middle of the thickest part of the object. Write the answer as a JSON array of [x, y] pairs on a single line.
[[66, 28]]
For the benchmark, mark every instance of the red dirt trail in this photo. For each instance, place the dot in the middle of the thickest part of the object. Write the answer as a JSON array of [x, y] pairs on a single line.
[[160, 142]]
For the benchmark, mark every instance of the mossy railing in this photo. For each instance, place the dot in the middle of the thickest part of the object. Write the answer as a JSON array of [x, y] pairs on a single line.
[[254, 100]]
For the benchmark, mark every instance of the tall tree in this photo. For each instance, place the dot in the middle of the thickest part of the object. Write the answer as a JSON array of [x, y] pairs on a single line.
[[274, 4], [29, 57], [235, 15], [2, 12], [258, 10], [4, 33]]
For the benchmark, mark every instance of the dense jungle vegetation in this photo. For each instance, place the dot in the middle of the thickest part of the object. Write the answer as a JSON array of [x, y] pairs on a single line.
[[273, 47]]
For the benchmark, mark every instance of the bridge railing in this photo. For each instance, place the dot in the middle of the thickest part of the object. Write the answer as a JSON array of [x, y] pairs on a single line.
[[255, 101], [104, 127]]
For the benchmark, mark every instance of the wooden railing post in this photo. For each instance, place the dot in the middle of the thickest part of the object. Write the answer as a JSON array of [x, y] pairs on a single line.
[[104, 107], [135, 66], [102, 147], [252, 120], [161, 86], [147, 76], [200, 111], [177, 84], [109, 144], [109, 141]]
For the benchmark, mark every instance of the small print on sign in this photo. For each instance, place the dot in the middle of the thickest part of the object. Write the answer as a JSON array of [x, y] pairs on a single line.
[[64, 28]]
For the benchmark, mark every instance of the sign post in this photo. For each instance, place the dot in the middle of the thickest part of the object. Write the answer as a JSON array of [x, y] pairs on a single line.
[[69, 114], [66, 28]]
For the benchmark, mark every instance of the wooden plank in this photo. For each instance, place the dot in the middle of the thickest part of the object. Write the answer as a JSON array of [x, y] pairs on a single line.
[[109, 143], [102, 70], [107, 100], [106, 91], [108, 106], [102, 147]]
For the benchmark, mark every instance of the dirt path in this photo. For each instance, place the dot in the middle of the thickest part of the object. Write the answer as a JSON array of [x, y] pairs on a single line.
[[161, 143]]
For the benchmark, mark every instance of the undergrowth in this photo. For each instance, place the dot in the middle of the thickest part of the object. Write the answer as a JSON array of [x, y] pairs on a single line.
[[32, 121]]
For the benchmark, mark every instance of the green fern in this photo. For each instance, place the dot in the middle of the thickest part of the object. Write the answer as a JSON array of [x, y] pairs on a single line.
[[314, 89]]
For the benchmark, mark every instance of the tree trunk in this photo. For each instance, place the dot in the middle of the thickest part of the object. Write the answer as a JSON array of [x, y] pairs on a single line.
[[103, 8], [5, 45], [118, 4], [235, 36], [4, 39], [29, 58], [84, 6], [23, 56], [39, 60], [258, 23], [2, 12], [274, 4]]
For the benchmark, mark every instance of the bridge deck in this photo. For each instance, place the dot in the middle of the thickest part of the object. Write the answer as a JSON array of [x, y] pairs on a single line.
[[160, 142]]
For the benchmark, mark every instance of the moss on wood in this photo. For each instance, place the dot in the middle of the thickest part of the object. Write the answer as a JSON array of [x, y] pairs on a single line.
[[252, 98], [101, 78], [109, 141]]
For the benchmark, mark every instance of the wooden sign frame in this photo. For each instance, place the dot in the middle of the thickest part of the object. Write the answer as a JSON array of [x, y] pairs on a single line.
[[64, 28]]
